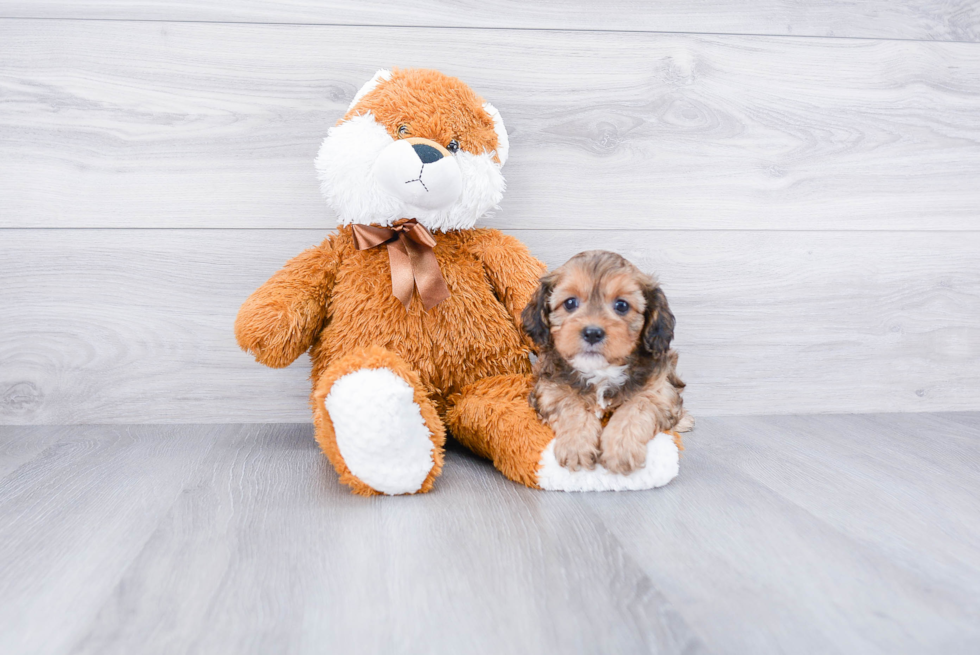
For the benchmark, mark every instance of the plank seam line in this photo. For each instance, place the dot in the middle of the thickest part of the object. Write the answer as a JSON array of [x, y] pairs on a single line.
[[728, 415], [507, 229], [476, 27]]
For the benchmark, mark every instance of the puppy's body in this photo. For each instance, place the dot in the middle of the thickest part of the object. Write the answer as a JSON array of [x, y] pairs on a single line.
[[606, 376]]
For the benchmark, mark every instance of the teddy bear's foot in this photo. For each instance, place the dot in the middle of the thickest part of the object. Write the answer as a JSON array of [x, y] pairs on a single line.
[[661, 466], [492, 417], [376, 424]]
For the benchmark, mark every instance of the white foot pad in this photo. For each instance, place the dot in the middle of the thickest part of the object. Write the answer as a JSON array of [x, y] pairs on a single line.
[[660, 468], [380, 431]]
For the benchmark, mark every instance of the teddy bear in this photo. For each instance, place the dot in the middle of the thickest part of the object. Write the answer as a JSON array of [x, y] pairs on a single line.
[[410, 313]]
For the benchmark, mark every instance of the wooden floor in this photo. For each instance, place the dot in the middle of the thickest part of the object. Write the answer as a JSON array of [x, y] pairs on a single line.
[[817, 534]]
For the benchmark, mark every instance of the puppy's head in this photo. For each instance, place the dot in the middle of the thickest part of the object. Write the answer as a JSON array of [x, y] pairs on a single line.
[[414, 144], [597, 310]]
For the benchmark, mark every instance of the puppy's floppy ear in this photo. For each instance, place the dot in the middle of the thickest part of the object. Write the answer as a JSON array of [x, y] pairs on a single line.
[[534, 318], [658, 328]]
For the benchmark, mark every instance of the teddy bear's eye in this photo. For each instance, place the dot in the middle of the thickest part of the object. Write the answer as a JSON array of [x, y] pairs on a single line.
[[403, 130], [571, 304], [452, 146]]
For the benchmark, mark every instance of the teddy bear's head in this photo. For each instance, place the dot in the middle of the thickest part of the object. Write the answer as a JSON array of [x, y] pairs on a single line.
[[414, 144]]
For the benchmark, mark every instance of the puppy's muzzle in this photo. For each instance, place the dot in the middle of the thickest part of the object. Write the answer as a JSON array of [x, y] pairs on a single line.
[[420, 173], [593, 334]]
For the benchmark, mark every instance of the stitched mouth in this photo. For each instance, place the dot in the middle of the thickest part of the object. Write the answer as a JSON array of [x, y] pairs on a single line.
[[423, 187], [419, 179]]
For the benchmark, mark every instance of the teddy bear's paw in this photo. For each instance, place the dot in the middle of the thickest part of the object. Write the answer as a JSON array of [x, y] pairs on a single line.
[[380, 431], [661, 467]]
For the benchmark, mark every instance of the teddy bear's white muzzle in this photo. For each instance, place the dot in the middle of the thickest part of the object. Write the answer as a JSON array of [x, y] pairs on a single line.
[[419, 174]]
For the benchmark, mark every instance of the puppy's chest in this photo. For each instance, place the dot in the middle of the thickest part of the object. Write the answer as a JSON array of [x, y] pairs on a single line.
[[604, 389]]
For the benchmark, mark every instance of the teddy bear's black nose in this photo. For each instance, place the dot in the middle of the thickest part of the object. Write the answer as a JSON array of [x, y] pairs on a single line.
[[427, 153], [593, 334]]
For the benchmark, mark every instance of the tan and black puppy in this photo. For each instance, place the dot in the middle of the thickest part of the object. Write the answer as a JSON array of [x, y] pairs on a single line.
[[606, 382]]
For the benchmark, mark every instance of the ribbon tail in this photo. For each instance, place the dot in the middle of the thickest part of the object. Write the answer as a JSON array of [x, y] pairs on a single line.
[[428, 278], [402, 279]]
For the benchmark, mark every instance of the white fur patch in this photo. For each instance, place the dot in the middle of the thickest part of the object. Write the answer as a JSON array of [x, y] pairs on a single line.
[[380, 431], [662, 465], [503, 142], [421, 187], [345, 167], [601, 375], [382, 75]]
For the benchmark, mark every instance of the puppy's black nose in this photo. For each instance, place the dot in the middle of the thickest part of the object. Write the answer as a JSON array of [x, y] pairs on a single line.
[[593, 334], [427, 153]]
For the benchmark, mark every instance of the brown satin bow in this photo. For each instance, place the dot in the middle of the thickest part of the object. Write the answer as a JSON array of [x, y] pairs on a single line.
[[413, 263]]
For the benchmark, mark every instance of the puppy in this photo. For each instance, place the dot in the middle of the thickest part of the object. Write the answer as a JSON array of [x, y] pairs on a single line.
[[606, 381]]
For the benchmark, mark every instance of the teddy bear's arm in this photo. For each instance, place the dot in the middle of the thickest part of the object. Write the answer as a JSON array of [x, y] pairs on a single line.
[[512, 270], [280, 319]]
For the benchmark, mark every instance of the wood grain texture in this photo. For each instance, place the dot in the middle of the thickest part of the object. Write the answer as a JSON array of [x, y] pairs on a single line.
[[839, 514], [957, 20], [784, 534], [74, 517], [115, 326], [144, 124], [327, 571], [883, 455]]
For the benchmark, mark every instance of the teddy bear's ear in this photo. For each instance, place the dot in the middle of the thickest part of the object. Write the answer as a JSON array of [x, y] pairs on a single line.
[[503, 145], [382, 75]]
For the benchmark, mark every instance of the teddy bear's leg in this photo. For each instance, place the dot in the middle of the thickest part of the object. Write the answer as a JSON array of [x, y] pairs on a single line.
[[493, 418], [377, 425]]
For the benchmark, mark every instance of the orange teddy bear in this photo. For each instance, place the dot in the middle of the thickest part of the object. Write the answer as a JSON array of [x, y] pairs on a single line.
[[411, 314]]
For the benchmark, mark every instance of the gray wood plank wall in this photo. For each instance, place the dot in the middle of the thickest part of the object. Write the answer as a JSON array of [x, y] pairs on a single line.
[[940, 20], [804, 178]]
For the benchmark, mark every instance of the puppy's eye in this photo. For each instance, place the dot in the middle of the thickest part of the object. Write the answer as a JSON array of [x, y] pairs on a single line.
[[404, 130], [570, 305], [452, 146], [620, 306]]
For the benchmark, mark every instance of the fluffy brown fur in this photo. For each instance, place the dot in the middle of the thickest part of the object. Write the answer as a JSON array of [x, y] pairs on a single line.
[[449, 109], [463, 356], [336, 301], [492, 418], [606, 380]]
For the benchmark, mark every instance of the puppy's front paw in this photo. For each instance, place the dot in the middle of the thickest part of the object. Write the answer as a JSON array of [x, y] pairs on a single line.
[[623, 456], [576, 454], [686, 423]]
